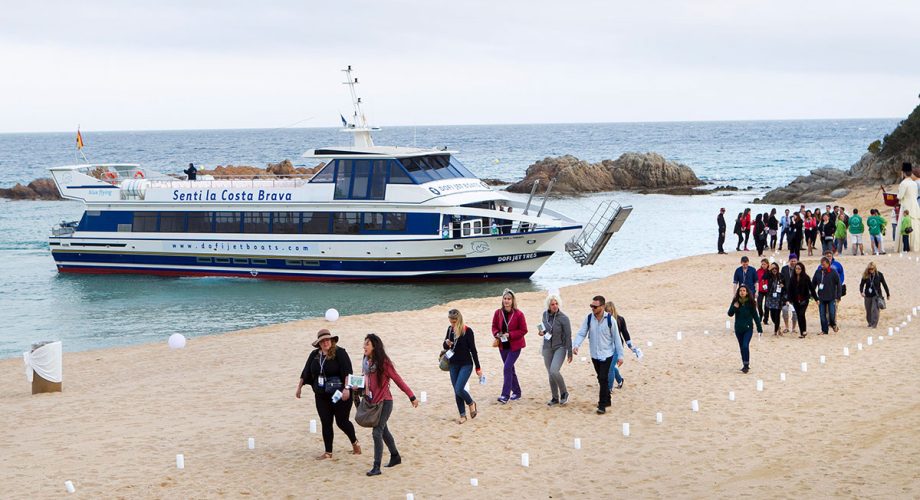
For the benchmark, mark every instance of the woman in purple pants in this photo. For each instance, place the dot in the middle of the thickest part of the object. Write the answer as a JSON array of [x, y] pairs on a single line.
[[509, 328]]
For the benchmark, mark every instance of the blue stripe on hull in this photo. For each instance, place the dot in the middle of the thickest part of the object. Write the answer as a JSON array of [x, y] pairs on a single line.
[[291, 277], [185, 263]]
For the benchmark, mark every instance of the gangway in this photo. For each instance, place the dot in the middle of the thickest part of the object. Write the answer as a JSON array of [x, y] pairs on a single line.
[[586, 246]]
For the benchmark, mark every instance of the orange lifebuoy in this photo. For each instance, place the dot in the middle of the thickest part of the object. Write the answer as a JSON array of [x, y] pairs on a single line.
[[138, 175]]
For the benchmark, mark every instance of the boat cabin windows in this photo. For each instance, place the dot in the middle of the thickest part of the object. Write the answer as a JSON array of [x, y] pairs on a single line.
[[362, 179], [261, 222]]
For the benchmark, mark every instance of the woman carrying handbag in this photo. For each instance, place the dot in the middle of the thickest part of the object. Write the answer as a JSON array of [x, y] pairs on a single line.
[[378, 372], [870, 287], [461, 354]]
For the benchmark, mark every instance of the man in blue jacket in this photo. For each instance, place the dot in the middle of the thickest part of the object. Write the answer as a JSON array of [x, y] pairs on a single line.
[[745, 275], [826, 282]]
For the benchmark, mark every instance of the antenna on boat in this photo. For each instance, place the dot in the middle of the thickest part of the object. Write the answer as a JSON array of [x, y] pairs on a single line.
[[358, 126]]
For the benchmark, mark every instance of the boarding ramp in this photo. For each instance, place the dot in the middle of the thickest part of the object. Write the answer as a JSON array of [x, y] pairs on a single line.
[[586, 246]]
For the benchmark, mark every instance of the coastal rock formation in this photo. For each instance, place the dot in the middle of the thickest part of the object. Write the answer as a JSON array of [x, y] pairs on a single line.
[[39, 189], [880, 165], [649, 172], [281, 169]]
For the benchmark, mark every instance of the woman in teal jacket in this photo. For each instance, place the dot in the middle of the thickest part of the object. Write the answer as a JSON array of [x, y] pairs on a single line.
[[745, 312]]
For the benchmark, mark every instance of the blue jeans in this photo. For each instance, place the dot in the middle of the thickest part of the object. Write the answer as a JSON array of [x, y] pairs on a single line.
[[614, 373], [459, 376], [827, 312], [744, 343]]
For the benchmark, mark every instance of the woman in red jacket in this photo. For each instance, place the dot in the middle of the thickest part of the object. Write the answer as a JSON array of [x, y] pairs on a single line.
[[378, 371], [509, 328], [746, 226]]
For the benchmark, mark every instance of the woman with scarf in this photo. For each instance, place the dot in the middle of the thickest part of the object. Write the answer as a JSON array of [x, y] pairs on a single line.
[[745, 313]]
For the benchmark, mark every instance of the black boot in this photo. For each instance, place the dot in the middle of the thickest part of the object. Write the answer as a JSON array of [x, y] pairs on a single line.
[[375, 471], [746, 368], [394, 461]]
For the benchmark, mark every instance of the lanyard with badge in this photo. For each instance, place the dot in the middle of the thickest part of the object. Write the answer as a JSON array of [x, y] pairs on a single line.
[[321, 379], [506, 321], [548, 332], [453, 344]]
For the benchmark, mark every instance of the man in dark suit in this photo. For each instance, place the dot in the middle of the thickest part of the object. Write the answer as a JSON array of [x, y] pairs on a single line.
[[721, 220]]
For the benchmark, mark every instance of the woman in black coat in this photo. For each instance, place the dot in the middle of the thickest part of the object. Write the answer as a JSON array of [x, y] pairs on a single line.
[[737, 231]]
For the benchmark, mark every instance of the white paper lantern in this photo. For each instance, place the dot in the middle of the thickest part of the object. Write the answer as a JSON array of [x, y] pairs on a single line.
[[176, 341], [332, 314]]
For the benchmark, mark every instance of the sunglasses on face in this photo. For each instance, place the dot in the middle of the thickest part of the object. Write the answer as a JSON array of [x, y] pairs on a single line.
[[594, 306]]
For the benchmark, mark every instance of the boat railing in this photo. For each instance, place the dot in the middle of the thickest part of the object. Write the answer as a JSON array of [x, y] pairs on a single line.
[[270, 181]]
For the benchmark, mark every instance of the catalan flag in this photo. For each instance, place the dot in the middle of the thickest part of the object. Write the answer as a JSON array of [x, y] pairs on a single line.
[[79, 140]]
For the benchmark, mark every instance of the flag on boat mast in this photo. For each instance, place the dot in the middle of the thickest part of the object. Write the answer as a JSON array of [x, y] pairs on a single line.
[[80, 145], [344, 121]]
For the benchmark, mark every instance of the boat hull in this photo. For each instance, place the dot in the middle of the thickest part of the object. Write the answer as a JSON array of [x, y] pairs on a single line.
[[486, 257]]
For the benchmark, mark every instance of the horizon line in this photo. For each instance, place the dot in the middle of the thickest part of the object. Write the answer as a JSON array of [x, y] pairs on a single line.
[[458, 125]]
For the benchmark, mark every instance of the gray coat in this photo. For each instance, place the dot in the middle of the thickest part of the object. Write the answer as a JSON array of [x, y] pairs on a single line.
[[558, 325], [831, 280]]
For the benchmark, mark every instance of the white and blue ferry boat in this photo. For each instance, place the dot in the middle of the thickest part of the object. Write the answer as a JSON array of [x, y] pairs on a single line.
[[371, 213]]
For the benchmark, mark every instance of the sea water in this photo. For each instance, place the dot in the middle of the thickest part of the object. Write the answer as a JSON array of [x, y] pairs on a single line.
[[95, 311]]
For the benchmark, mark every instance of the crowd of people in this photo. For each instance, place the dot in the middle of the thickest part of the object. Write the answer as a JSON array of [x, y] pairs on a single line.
[[328, 369]]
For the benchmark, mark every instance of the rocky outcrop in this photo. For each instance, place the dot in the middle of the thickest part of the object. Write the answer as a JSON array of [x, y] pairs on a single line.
[[281, 169], [649, 172], [880, 165], [39, 189]]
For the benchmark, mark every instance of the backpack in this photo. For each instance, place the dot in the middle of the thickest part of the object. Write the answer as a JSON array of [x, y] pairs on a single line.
[[609, 321]]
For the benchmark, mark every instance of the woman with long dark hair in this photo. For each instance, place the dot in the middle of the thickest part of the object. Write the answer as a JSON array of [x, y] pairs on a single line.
[[774, 297], [746, 226], [759, 234], [737, 231], [378, 371], [810, 226], [773, 228], [745, 313], [763, 285], [800, 291], [797, 234]]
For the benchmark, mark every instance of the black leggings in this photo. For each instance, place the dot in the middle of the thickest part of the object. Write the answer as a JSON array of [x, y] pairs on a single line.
[[774, 317], [760, 299], [800, 315], [339, 411], [747, 234], [740, 241]]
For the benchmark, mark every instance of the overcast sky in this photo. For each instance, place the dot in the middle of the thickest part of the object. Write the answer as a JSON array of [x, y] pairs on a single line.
[[111, 65]]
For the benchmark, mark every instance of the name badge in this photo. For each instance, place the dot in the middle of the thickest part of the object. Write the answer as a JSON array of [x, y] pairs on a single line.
[[504, 337], [775, 294], [321, 380], [449, 354], [821, 286], [548, 336]]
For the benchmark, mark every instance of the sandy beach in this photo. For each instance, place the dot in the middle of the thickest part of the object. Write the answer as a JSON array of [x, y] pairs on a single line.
[[848, 428]]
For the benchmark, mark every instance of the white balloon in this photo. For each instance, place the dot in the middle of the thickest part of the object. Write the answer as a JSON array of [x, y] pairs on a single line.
[[176, 341], [332, 315]]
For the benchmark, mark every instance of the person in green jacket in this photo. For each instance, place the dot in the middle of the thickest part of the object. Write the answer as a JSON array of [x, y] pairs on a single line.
[[906, 229], [745, 312], [876, 224], [857, 229], [840, 235]]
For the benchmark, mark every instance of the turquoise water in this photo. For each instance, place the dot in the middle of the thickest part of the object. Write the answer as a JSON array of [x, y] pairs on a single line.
[[90, 312]]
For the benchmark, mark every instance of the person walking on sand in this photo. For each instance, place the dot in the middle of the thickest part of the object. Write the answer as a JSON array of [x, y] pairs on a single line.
[[509, 328], [745, 313], [826, 282], [910, 211], [827, 234], [788, 308], [759, 234], [798, 292], [877, 226], [763, 285], [784, 223], [773, 228], [797, 234], [327, 367], [378, 372], [557, 348], [856, 232], [836, 266], [870, 287], [774, 297], [604, 342], [744, 275], [614, 375], [738, 232], [720, 220], [460, 344], [746, 226], [840, 235]]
